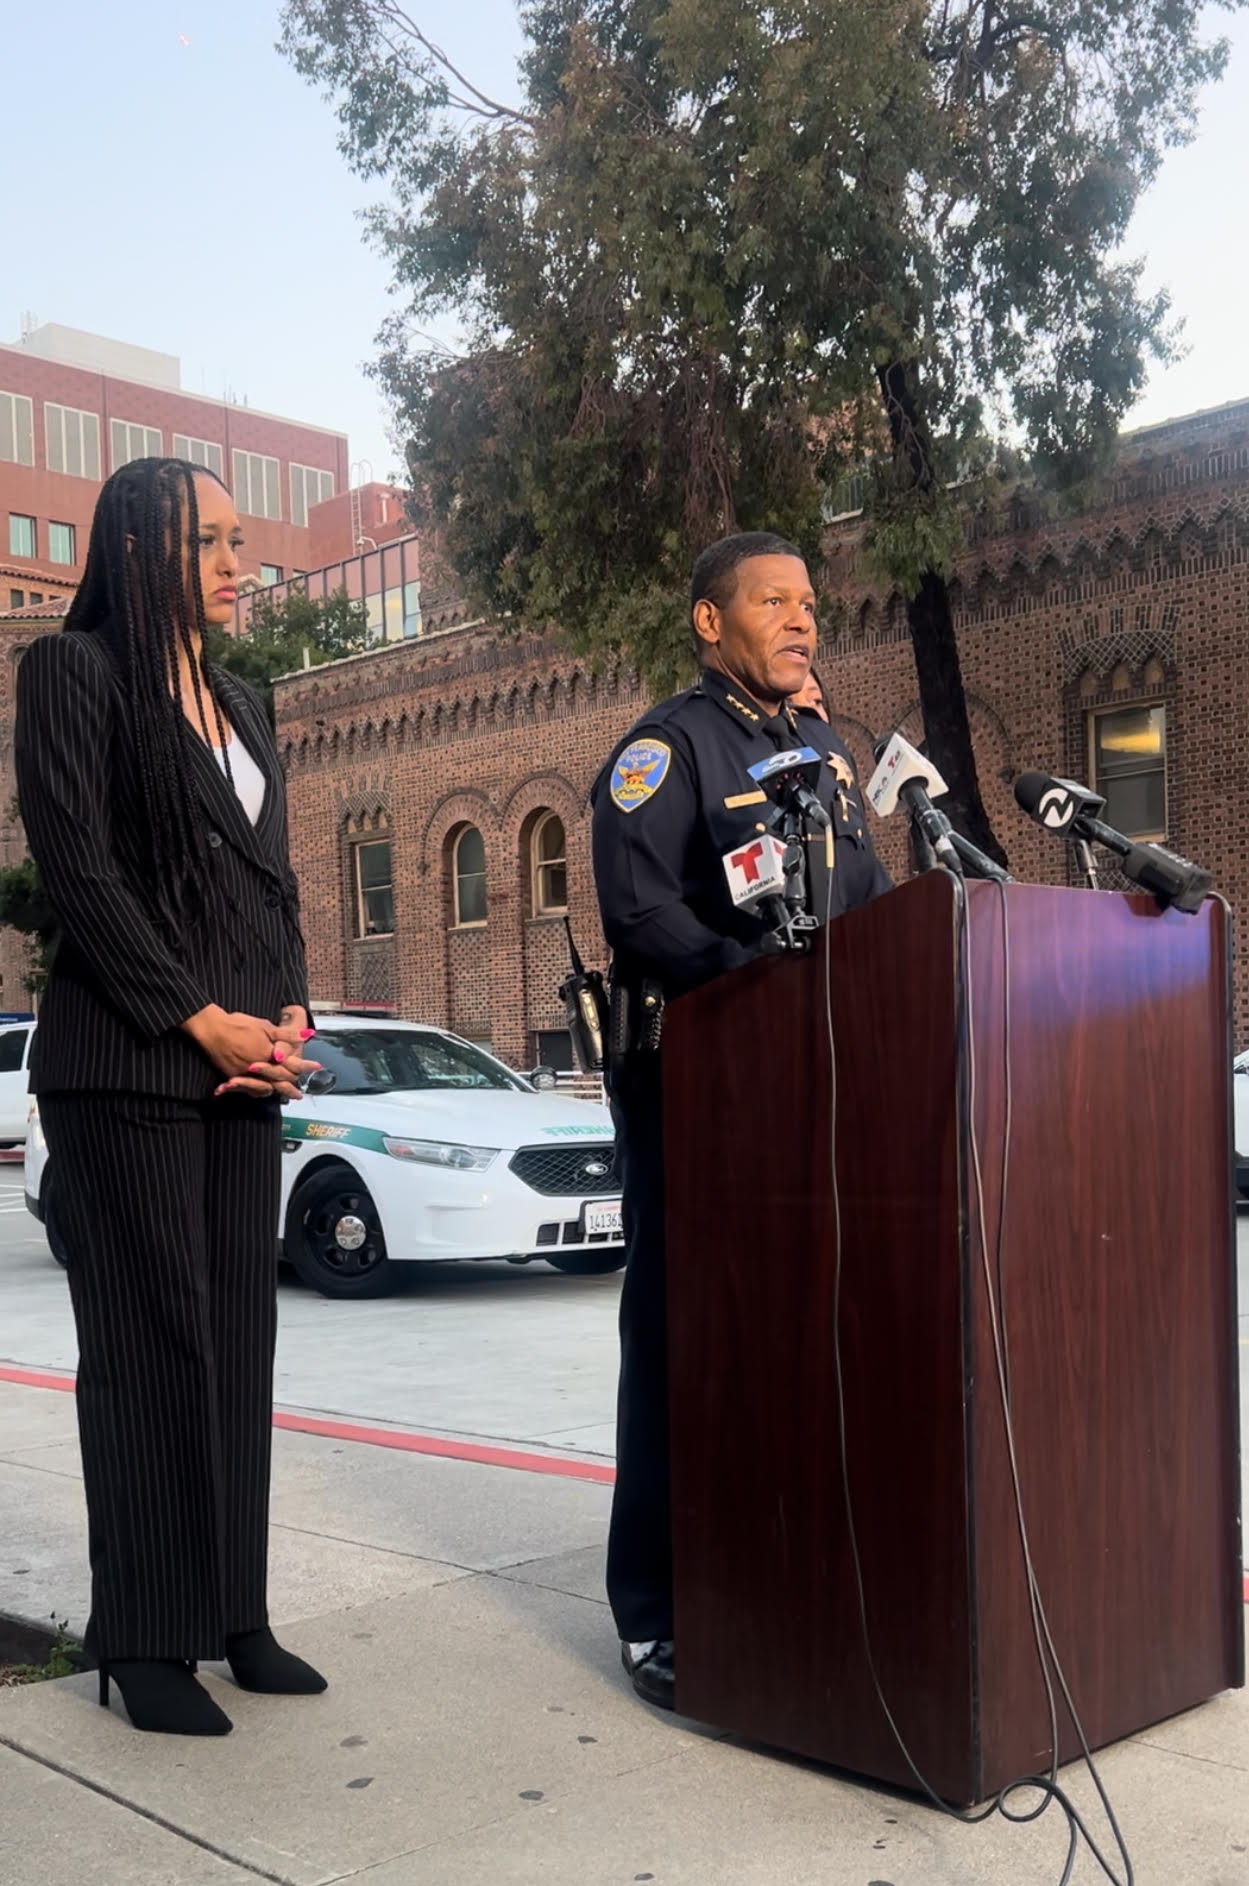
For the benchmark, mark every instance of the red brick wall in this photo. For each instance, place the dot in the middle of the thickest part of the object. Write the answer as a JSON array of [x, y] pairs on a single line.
[[383, 516], [1142, 596], [1148, 585], [465, 728]]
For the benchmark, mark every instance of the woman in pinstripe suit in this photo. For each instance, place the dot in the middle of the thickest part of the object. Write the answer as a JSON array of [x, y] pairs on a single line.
[[172, 1028]]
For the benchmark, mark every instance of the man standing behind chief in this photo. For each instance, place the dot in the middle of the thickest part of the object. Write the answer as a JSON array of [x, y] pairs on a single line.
[[674, 799]]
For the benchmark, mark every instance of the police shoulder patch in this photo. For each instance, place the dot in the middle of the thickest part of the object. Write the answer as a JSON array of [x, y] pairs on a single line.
[[639, 772]]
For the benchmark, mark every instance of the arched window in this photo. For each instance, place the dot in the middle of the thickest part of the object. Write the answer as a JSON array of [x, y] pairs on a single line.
[[550, 866], [468, 865]]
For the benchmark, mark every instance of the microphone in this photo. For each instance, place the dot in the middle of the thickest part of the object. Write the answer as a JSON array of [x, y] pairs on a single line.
[[903, 773], [1068, 809], [790, 779], [755, 871]]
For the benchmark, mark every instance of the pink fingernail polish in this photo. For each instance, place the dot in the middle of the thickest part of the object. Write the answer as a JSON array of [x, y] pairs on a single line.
[[279, 1053], [306, 1034]]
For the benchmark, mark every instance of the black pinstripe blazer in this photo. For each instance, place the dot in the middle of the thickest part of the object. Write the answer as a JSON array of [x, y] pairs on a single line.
[[120, 987]]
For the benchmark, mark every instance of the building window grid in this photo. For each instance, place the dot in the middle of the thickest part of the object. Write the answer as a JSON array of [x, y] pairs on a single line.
[[257, 485], [62, 543], [549, 867], [130, 440], [199, 452], [468, 876], [309, 486], [17, 429], [270, 573], [375, 898], [72, 440], [1128, 766], [23, 535]]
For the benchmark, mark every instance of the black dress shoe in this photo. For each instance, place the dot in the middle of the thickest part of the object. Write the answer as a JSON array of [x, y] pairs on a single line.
[[164, 1697], [260, 1663], [652, 1671]]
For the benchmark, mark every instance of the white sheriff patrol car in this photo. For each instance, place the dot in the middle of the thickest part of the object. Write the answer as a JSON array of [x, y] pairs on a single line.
[[426, 1150]]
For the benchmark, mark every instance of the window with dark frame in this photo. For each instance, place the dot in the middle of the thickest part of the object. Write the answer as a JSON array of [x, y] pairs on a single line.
[[469, 872], [375, 900], [554, 1049], [12, 1049], [270, 573], [62, 543], [1128, 761], [550, 867], [23, 539]]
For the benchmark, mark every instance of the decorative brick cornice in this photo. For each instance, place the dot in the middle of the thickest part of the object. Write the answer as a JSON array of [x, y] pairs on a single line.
[[1073, 570], [396, 705]]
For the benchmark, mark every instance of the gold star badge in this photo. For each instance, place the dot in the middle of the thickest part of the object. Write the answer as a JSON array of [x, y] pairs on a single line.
[[843, 772]]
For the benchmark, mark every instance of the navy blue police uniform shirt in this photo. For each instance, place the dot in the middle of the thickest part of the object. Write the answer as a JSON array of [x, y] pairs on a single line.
[[675, 797]]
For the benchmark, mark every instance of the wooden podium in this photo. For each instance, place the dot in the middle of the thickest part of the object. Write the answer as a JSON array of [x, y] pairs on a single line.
[[1114, 1268]]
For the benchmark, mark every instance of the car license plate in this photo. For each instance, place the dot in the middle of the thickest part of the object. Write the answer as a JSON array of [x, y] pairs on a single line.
[[603, 1220]]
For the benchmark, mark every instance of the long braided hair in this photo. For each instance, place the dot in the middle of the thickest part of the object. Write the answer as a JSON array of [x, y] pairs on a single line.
[[141, 592]]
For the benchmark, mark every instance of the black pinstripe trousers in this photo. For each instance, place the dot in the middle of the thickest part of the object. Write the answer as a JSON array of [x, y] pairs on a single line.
[[169, 1210]]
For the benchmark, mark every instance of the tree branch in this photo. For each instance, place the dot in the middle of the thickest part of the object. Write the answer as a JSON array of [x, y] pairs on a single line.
[[478, 102]]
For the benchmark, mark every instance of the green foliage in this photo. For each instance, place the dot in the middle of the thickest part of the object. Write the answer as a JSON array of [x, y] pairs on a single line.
[[719, 254], [26, 907], [64, 1659], [278, 633], [716, 253]]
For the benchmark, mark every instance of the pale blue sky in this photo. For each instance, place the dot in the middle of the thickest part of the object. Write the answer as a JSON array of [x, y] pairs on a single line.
[[191, 198]]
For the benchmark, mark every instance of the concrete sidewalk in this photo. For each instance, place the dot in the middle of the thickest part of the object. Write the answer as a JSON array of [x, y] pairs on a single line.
[[478, 1730]]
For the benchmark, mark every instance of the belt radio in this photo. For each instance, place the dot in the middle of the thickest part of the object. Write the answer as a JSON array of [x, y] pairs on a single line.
[[585, 1004]]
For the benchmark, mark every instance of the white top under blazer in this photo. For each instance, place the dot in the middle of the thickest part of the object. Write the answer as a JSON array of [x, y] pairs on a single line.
[[249, 781]]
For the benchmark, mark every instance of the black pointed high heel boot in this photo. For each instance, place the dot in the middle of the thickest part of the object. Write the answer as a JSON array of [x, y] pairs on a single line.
[[164, 1697], [260, 1663]]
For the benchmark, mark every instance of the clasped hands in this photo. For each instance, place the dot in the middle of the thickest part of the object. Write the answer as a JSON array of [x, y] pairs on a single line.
[[258, 1058]]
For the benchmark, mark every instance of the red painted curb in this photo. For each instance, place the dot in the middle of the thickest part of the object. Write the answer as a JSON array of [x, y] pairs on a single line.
[[406, 1440], [31, 1378], [410, 1442]]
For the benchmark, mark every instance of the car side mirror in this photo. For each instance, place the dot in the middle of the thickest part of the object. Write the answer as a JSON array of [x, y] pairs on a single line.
[[544, 1078], [320, 1081]]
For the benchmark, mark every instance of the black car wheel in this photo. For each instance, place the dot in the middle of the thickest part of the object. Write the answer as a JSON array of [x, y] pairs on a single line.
[[334, 1236], [595, 1262]]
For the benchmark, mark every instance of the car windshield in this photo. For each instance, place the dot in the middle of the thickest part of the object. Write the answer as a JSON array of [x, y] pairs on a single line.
[[387, 1061]]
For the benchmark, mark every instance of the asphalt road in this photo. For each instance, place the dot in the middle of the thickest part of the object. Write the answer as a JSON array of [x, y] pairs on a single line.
[[490, 1351], [486, 1352]]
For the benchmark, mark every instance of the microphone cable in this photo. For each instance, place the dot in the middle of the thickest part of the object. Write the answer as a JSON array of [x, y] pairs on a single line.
[[1047, 1784]]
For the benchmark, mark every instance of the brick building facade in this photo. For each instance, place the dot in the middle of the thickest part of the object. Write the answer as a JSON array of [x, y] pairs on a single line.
[[1074, 632], [74, 406], [438, 785]]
